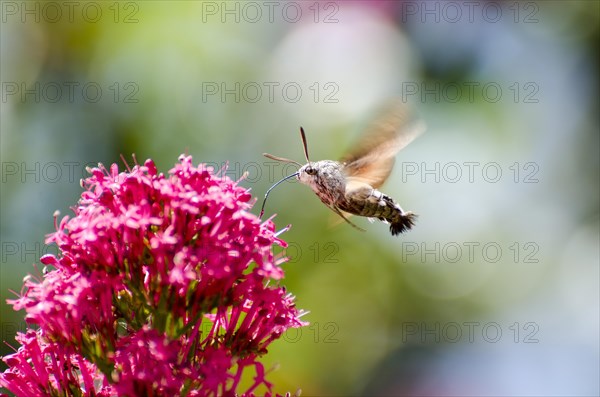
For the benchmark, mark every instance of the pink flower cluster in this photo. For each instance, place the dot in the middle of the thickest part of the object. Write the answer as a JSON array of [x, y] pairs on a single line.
[[161, 288]]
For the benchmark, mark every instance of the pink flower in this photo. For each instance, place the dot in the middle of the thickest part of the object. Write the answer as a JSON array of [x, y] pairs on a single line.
[[42, 369], [145, 264]]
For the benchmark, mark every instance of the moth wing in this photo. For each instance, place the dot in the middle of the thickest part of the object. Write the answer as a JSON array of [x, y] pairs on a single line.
[[335, 220], [372, 158], [343, 216], [354, 189]]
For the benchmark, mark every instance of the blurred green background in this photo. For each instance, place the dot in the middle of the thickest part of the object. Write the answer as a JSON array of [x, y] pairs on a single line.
[[494, 292]]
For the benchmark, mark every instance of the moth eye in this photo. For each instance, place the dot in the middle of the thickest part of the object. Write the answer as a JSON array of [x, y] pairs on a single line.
[[311, 171]]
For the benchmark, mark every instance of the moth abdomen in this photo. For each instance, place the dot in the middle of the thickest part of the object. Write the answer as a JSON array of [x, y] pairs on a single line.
[[402, 222], [371, 203]]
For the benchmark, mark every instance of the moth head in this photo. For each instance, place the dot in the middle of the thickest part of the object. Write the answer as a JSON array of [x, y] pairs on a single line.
[[308, 173], [322, 175]]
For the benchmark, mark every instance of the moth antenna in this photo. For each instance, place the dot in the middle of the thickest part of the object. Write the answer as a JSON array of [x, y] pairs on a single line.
[[304, 144], [282, 159], [262, 209]]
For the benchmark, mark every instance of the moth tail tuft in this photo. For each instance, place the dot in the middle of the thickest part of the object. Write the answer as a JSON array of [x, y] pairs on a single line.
[[404, 222]]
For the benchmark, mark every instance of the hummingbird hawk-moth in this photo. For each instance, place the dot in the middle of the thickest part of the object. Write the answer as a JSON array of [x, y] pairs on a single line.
[[349, 186]]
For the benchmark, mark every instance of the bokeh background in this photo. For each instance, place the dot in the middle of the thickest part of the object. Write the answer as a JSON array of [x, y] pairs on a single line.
[[494, 292]]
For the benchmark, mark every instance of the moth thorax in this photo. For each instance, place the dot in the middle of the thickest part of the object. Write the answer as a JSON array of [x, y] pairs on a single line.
[[324, 177]]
